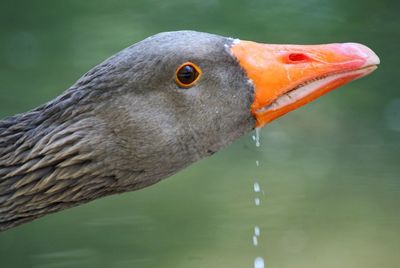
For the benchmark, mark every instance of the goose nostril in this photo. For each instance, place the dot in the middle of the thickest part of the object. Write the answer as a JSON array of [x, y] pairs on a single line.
[[297, 57]]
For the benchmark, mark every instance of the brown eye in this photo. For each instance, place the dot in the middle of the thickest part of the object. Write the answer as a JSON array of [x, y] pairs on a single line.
[[187, 74]]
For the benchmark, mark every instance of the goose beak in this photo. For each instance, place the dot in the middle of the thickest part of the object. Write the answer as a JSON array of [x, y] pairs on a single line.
[[285, 77]]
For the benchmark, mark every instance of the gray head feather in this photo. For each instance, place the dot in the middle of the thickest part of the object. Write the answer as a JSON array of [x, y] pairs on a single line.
[[123, 126]]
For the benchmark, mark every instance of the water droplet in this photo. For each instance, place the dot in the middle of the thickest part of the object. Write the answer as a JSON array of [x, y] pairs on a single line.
[[257, 187], [255, 240], [257, 137], [259, 262], [257, 231]]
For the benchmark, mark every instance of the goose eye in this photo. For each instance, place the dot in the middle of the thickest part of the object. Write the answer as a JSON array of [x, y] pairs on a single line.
[[187, 74]]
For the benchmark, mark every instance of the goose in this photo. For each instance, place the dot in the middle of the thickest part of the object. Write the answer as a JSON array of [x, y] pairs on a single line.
[[153, 109]]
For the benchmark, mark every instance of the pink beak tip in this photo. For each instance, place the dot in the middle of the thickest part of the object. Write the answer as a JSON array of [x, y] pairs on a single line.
[[361, 51]]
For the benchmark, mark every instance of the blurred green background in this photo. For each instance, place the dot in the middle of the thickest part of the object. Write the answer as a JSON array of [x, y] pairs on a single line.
[[330, 170]]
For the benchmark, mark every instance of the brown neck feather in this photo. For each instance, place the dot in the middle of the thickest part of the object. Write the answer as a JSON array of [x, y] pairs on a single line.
[[46, 165]]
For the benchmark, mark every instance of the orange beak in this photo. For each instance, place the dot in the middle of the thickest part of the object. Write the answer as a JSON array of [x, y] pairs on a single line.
[[286, 77]]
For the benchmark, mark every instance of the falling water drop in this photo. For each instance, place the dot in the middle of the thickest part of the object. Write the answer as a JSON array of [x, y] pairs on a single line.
[[257, 231], [259, 262], [255, 240], [257, 187], [256, 138]]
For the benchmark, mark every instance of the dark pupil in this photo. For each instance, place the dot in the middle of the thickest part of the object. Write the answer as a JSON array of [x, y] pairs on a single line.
[[187, 74]]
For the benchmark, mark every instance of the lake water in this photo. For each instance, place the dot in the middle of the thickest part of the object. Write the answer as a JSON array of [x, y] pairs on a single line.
[[329, 171]]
